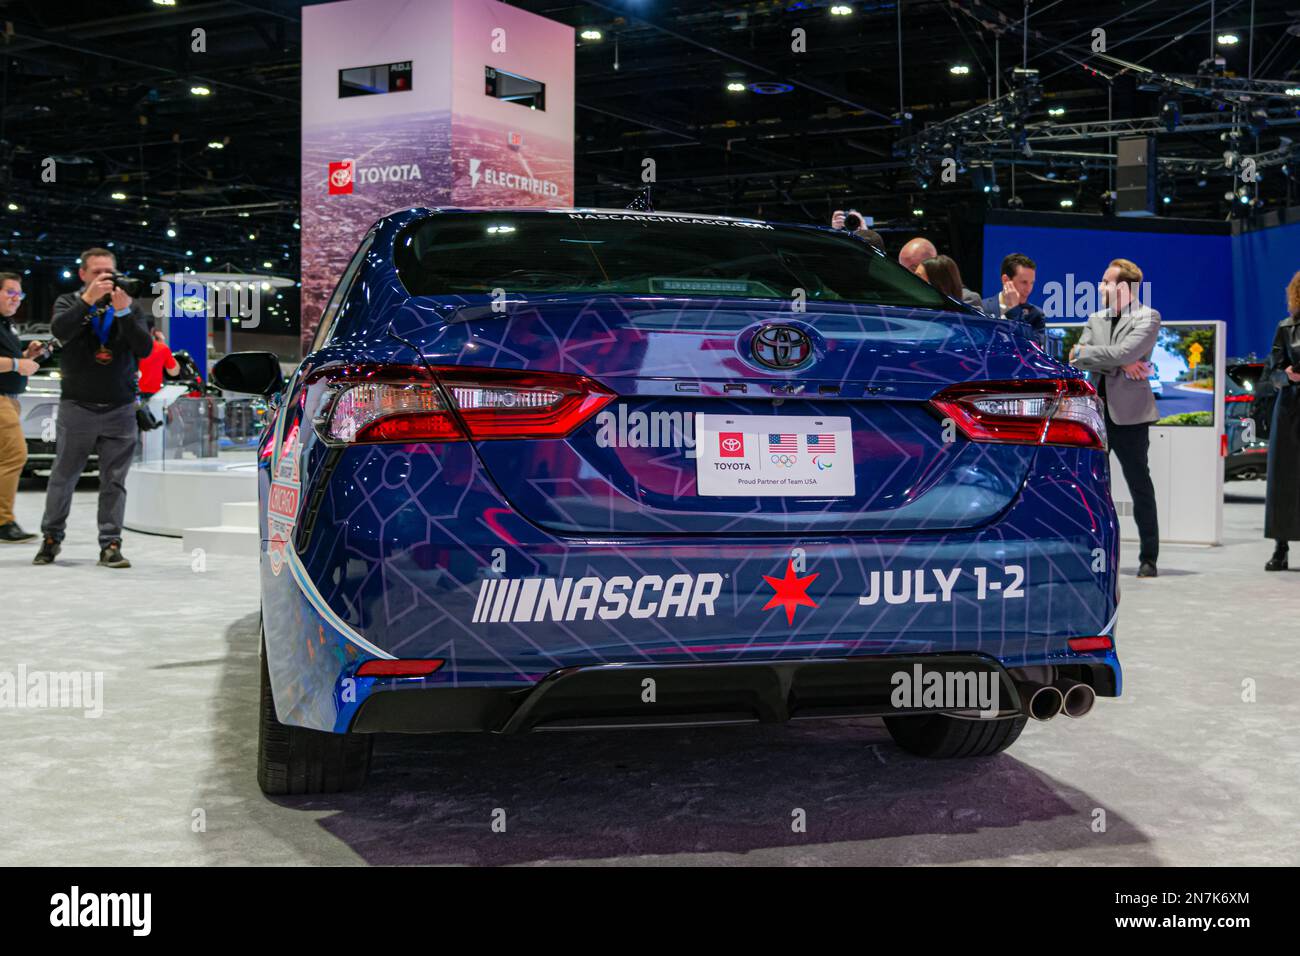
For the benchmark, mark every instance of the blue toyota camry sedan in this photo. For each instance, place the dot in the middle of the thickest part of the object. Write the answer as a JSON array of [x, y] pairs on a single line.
[[579, 468]]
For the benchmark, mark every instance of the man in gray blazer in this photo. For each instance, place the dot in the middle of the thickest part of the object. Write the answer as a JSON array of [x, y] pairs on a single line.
[[1116, 348]]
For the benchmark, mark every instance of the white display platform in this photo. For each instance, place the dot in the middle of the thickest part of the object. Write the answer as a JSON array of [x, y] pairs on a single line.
[[169, 497], [1186, 461]]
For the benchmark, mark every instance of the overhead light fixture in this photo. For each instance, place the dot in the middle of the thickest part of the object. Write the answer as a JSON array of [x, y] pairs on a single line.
[[118, 196], [267, 265], [735, 87], [164, 3], [841, 10], [1067, 203], [171, 232], [216, 144], [200, 91], [1229, 39], [959, 69], [1293, 91], [591, 35], [12, 207], [1056, 111], [918, 212]]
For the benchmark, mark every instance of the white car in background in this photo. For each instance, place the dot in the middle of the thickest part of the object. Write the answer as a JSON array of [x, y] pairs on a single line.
[[39, 410]]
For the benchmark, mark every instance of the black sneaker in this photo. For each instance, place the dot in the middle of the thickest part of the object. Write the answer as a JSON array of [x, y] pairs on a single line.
[[49, 551], [10, 533], [1147, 570], [111, 556]]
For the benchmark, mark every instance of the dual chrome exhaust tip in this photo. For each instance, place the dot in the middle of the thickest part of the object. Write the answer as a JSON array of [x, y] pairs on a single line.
[[1063, 696]]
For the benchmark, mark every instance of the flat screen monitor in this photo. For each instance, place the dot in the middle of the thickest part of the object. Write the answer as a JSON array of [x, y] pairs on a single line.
[[1183, 372]]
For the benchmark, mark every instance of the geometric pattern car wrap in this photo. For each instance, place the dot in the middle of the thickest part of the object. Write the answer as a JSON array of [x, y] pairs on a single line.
[[474, 552]]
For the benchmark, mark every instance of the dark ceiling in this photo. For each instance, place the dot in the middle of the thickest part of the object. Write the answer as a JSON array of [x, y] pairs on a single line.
[[105, 89]]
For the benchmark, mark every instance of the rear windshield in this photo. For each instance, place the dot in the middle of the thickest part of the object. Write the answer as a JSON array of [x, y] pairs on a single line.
[[632, 254]]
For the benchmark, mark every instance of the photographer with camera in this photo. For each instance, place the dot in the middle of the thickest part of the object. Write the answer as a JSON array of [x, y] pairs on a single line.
[[104, 336], [854, 222]]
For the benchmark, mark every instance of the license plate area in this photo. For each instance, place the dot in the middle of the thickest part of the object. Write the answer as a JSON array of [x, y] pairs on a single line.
[[774, 456]]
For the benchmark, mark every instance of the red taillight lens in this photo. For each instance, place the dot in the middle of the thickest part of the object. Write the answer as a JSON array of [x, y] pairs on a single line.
[[486, 404], [1034, 412], [1239, 398], [399, 668], [1090, 643]]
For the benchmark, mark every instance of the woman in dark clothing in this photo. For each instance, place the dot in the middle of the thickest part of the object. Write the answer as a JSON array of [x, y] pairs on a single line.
[[942, 273], [1282, 503]]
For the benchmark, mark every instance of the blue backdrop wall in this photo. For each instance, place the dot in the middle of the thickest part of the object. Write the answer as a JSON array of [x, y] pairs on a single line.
[[1202, 273]]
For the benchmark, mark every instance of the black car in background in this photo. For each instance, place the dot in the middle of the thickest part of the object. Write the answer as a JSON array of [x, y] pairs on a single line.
[[1248, 398]]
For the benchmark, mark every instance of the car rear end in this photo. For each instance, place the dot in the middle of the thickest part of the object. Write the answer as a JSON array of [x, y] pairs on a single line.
[[576, 468]]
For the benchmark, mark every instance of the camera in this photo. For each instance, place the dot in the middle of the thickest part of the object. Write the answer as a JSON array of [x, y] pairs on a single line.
[[132, 287], [852, 222]]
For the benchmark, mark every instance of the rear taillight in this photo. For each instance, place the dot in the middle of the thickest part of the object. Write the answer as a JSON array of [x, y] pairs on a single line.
[[484, 404], [1032, 412]]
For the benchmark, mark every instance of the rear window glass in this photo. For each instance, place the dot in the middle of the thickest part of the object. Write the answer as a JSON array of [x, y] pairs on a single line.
[[633, 254]]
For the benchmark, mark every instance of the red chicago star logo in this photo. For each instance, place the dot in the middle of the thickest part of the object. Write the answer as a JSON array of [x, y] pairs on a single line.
[[791, 591]]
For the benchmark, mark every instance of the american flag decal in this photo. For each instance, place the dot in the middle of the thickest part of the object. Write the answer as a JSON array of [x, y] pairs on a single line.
[[824, 443], [784, 442]]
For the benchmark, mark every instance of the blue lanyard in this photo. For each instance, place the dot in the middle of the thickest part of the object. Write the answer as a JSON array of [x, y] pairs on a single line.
[[102, 323]]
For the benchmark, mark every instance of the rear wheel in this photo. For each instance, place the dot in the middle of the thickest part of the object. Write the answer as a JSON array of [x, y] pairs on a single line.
[[938, 735], [295, 760]]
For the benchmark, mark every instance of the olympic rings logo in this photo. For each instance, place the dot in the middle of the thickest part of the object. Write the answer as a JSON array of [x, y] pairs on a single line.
[[785, 461]]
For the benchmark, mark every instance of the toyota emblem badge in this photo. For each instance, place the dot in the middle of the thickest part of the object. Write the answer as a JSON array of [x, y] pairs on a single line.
[[781, 347]]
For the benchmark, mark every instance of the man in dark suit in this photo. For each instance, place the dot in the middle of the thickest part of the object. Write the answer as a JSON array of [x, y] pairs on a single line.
[[104, 337], [1018, 274]]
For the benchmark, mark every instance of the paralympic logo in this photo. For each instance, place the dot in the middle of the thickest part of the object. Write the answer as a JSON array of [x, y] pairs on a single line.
[[821, 465]]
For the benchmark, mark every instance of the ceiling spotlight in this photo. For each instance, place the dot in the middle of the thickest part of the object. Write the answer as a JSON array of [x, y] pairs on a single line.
[[207, 259], [200, 91], [841, 10], [1056, 111], [164, 3], [918, 212], [171, 232], [267, 265], [12, 207], [959, 69], [591, 35], [67, 274], [1067, 203], [1166, 199], [252, 235], [735, 87], [1229, 39], [118, 196], [216, 144], [1293, 91]]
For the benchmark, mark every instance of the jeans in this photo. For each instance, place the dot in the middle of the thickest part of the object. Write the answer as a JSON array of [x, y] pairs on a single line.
[[81, 431], [1130, 444]]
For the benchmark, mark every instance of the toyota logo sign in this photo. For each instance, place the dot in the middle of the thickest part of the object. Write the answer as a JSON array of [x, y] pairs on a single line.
[[781, 347]]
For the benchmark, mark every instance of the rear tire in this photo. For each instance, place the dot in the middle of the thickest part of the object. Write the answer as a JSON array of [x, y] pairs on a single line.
[[941, 736], [296, 760]]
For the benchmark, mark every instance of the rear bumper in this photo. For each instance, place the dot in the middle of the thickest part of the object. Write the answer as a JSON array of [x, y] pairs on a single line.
[[630, 695]]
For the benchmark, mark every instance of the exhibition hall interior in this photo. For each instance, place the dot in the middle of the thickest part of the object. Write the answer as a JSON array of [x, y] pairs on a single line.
[[650, 432]]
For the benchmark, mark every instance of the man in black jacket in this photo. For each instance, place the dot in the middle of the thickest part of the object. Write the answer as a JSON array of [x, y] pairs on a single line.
[[104, 336]]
